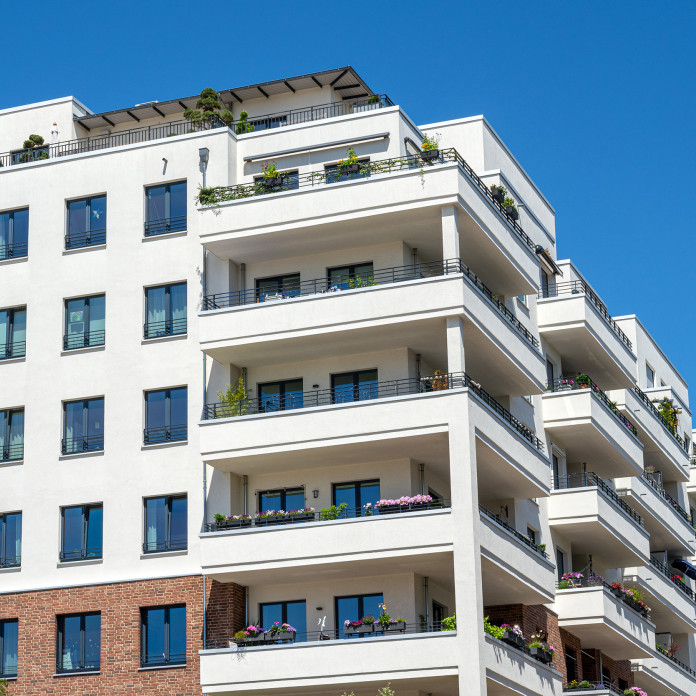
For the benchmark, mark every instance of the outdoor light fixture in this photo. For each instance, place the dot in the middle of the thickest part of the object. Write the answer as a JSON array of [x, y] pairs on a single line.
[[203, 153], [315, 493]]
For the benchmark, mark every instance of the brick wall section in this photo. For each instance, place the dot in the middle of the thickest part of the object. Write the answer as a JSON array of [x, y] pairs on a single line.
[[119, 604], [618, 669]]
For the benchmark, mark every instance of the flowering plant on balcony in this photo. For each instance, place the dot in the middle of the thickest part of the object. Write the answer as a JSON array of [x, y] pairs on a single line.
[[237, 517], [571, 579], [350, 158], [516, 630], [270, 513], [251, 631], [368, 620], [353, 624], [430, 142], [278, 627], [300, 511], [543, 645], [270, 170], [593, 580], [634, 691], [405, 500], [575, 684]]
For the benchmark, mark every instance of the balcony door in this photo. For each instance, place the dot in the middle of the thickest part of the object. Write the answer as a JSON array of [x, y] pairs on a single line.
[[353, 608], [355, 495], [293, 613], [354, 386], [280, 396]]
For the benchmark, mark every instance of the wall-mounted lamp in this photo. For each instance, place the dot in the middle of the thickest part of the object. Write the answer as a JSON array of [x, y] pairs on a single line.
[[315, 493], [315, 386], [203, 155]]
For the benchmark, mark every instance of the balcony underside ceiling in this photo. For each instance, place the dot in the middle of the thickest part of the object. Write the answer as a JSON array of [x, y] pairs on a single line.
[[500, 587], [596, 633]]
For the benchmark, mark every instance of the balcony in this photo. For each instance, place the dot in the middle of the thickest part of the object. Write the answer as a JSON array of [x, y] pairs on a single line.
[[315, 318], [662, 675], [410, 660], [671, 600], [581, 417], [419, 540], [514, 569], [585, 688], [393, 200], [668, 524], [577, 324], [604, 622], [589, 514]]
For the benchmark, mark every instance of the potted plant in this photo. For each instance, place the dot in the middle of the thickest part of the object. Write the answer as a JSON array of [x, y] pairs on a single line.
[[634, 691], [513, 635], [359, 627], [387, 506], [490, 629], [251, 635], [575, 684], [301, 515], [272, 178], [243, 126], [617, 590], [267, 518], [570, 580], [430, 147], [511, 208], [280, 633], [350, 164], [542, 651], [333, 512], [386, 623], [233, 521], [440, 381], [499, 193], [372, 102], [583, 380]]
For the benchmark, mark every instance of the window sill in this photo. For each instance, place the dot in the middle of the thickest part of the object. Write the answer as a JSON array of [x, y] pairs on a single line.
[[79, 562], [11, 569], [149, 669], [158, 339], [5, 361], [79, 455], [84, 349], [9, 679], [165, 235], [160, 554], [3, 262], [78, 250], [160, 445], [10, 462], [76, 674]]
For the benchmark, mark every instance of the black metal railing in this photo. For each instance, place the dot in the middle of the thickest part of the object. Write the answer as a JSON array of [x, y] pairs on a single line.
[[333, 174], [561, 384], [177, 544], [585, 479], [656, 413], [75, 445], [648, 478], [79, 240], [17, 250], [328, 634], [679, 663], [580, 287], [84, 340], [165, 226], [171, 433], [16, 349], [328, 515], [160, 660], [81, 554], [10, 561], [385, 276], [593, 580], [79, 666], [672, 577], [370, 391], [585, 685], [10, 453], [518, 535], [169, 327]]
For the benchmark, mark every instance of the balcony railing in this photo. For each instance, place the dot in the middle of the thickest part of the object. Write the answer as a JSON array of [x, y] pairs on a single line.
[[79, 240], [518, 535], [615, 589], [17, 250], [367, 392], [81, 554], [11, 453], [157, 227], [656, 413], [561, 384], [281, 639], [293, 520], [158, 660], [672, 577], [580, 287], [585, 685], [79, 666], [83, 340], [169, 327], [648, 478], [679, 663], [10, 562], [75, 445], [16, 349], [177, 544], [334, 174], [172, 433], [585, 479], [385, 276]]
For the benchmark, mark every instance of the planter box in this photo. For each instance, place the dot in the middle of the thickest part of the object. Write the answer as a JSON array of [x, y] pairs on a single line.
[[398, 626], [233, 524], [349, 168], [359, 630], [270, 521], [498, 196], [617, 593], [541, 655], [256, 640], [273, 182], [513, 639], [511, 212], [391, 509], [280, 637], [429, 155], [301, 517]]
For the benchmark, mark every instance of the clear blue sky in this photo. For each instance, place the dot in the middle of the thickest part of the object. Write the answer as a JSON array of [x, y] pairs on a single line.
[[596, 99]]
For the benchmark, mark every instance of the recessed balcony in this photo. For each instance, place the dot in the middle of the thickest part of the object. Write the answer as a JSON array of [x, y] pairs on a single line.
[[313, 318], [580, 416], [662, 675], [576, 323], [589, 514], [604, 622]]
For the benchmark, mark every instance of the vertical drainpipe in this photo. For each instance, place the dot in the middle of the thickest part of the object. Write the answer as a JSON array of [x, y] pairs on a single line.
[[427, 603], [246, 605], [242, 281], [205, 615], [418, 367], [245, 480], [421, 466]]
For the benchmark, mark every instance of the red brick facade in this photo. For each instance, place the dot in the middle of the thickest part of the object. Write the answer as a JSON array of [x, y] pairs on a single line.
[[119, 604]]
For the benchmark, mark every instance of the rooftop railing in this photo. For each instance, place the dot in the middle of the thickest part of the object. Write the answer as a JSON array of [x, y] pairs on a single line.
[[648, 478], [385, 276], [586, 479], [674, 579], [561, 384], [580, 287], [367, 392], [364, 169], [518, 535]]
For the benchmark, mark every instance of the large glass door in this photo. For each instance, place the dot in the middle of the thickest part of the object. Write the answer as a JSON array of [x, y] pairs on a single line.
[[353, 608], [356, 495]]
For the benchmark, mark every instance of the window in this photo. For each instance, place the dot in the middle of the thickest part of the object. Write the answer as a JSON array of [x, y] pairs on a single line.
[[163, 636], [560, 563], [86, 222], [14, 234], [556, 471], [544, 284], [12, 435], [532, 535], [349, 277], [549, 372], [79, 643], [282, 499], [290, 181], [335, 173], [83, 429], [354, 386], [13, 332], [84, 322], [9, 641], [278, 287], [293, 613], [166, 520], [166, 415], [523, 299], [439, 613], [10, 540], [649, 376], [571, 665], [166, 209], [82, 532], [280, 396], [354, 608], [356, 495], [166, 310]]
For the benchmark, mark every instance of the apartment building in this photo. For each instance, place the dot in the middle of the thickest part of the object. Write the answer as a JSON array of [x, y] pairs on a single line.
[[287, 387]]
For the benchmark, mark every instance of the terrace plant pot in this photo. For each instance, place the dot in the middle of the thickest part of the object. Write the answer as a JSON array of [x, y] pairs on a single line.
[[301, 517], [429, 155], [392, 509], [420, 506], [255, 640], [516, 641], [273, 182], [398, 626], [511, 212], [280, 637], [359, 630], [350, 168], [273, 520], [541, 655], [617, 592], [498, 196], [234, 524]]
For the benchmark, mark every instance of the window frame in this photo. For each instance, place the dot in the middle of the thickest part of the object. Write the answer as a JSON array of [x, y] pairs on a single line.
[[87, 339], [356, 385], [283, 498], [177, 433], [3, 674], [87, 509], [17, 560], [90, 237], [299, 638], [356, 485], [290, 177], [8, 350], [331, 170], [60, 641], [168, 224], [144, 621], [361, 611], [290, 291], [10, 251], [6, 452], [346, 280], [282, 405], [172, 327], [167, 543], [90, 443]]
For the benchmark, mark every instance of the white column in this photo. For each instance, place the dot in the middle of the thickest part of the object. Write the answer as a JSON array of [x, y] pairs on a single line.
[[455, 345], [450, 233]]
